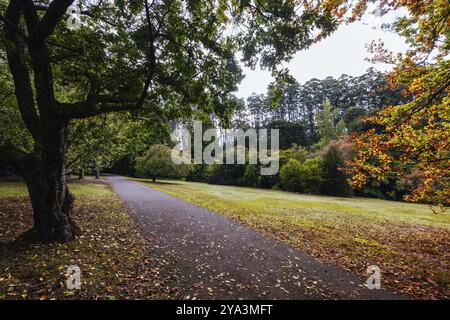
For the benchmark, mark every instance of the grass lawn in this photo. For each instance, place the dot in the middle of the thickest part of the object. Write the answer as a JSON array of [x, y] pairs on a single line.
[[408, 242], [112, 254]]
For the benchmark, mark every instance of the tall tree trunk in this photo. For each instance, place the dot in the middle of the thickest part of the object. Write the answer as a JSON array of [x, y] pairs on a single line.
[[50, 196], [97, 173], [81, 174]]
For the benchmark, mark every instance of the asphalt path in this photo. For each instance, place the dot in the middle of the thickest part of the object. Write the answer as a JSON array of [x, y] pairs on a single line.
[[208, 256]]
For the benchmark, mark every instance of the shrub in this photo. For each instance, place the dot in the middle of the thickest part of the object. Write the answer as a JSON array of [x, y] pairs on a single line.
[[157, 163], [302, 177], [294, 152], [311, 175], [334, 180], [226, 174], [290, 175], [269, 182], [251, 176], [198, 173]]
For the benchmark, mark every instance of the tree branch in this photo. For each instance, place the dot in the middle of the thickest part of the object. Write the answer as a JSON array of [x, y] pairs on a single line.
[[97, 104], [19, 70], [48, 23]]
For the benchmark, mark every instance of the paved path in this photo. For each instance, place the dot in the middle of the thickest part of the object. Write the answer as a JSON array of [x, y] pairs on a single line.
[[215, 257]]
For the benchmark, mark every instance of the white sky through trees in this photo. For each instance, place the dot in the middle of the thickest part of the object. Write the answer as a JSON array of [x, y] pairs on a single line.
[[343, 52]]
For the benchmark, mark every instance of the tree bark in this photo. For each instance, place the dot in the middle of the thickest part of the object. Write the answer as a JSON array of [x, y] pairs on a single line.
[[97, 173], [81, 174], [50, 196]]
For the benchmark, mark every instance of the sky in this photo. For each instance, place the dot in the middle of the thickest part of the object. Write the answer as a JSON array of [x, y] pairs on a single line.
[[343, 52]]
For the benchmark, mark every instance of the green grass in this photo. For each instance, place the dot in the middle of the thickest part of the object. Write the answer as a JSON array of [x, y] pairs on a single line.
[[404, 239], [10, 189], [17, 188], [111, 251], [280, 201]]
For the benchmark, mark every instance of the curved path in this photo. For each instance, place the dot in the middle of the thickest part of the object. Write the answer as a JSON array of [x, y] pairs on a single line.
[[216, 258]]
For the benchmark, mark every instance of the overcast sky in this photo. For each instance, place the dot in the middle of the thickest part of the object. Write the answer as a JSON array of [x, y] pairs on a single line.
[[341, 53]]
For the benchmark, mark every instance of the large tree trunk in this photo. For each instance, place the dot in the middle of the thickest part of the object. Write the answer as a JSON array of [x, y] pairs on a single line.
[[50, 197]]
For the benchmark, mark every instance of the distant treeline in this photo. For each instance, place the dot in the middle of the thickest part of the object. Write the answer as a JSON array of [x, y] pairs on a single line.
[[315, 120], [292, 107]]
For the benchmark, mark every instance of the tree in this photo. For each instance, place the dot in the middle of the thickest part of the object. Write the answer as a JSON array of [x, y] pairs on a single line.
[[164, 57], [199, 173], [334, 181], [328, 126], [293, 107], [258, 109], [413, 138], [95, 143], [156, 163], [290, 133]]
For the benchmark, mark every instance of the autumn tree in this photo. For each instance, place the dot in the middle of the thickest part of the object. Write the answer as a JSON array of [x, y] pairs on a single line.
[[413, 138]]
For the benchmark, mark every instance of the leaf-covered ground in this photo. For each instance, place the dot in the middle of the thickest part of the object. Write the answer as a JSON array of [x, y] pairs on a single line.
[[408, 242], [114, 258]]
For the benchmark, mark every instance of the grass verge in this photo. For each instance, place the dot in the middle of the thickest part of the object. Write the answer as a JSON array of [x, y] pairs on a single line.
[[112, 254]]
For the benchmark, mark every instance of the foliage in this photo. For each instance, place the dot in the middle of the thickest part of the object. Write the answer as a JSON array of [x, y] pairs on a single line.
[[292, 107], [229, 174], [12, 129], [296, 152], [290, 132], [302, 177], [95, 143], [328, 126], [164, 59], [101, 141], [290, 175], [251, 176], [334, 180], [354, 119], [156, 163], [198, 173], [414, 136], [181, 45]]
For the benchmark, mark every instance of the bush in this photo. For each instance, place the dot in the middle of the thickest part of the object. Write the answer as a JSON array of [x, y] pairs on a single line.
[[334, 180], [269, 182], [294, 152], [157, 163], [311, 176], [302, 177], [251, 176], [290, 175], [198, 173], [226, 174]]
